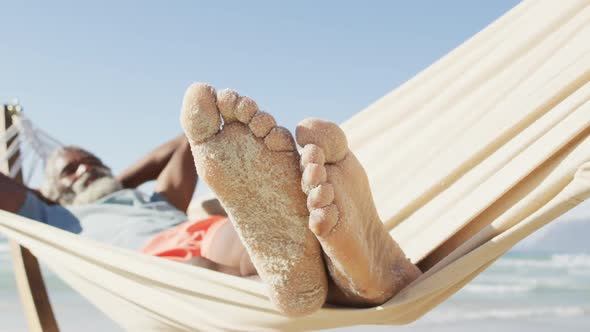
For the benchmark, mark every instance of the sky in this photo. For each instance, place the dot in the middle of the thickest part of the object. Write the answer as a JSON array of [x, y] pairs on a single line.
[[110, 75]]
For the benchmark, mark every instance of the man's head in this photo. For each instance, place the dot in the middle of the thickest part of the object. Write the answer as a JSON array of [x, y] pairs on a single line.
[[76, 176]]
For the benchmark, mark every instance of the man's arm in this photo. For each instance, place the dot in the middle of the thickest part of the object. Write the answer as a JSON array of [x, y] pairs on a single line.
[[151, 165], [172, 165], [12, 194]]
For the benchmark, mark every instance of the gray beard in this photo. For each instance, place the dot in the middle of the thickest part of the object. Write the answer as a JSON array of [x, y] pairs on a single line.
[[96, 190]]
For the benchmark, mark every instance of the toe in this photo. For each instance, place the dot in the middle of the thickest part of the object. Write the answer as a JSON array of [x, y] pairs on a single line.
[[226, 102], [313, 176], [320, 196], [323, 220], [279, 139], [199, 116], [327, 135], [262, 123], [245, 109], [312, 154]]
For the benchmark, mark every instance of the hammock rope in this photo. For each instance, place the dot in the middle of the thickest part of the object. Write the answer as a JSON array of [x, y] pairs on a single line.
[[33, 144], [42, 143], [13, 148], [9, 134]]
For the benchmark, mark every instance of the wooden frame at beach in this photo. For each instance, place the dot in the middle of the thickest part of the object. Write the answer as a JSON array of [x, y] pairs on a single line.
[[29, 280]]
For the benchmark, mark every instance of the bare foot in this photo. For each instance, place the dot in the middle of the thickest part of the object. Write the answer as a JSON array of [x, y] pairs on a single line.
[[365, 263], [253, 167]]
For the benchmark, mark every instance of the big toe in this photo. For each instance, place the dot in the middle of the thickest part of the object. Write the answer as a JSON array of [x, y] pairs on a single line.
[[327, 135], [200, 117]]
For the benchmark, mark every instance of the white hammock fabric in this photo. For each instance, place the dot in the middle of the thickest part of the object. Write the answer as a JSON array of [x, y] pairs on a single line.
[[495, 135], [39, 141], [30, 142]]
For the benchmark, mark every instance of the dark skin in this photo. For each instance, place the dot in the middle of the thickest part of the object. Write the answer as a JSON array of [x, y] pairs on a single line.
[[12, 194], [171, 165]]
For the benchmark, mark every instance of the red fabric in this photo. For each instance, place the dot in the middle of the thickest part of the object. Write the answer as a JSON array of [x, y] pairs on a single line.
[[182, 242]]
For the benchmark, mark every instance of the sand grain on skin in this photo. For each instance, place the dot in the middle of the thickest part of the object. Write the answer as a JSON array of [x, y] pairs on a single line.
[[365, 263], [257, 181]]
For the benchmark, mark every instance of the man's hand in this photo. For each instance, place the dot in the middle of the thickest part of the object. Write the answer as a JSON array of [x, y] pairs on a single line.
[[42, 197]]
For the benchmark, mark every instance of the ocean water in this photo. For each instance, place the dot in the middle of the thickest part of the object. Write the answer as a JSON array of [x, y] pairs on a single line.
[[532, 288]]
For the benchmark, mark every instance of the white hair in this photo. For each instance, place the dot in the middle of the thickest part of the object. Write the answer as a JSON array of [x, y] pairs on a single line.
[[99, 188], [78, 193]]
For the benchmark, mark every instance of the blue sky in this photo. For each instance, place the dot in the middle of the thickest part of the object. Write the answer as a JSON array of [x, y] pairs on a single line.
[[110, 75]]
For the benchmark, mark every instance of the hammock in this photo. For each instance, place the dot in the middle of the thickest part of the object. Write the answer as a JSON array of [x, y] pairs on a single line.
[[465, 160]]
